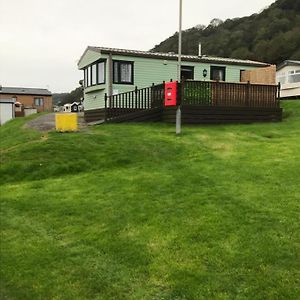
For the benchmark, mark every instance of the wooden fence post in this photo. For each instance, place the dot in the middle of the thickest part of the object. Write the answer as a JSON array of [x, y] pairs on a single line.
[[247, 93], [152, 96], [216, 84], [136, 97], [105, 107]]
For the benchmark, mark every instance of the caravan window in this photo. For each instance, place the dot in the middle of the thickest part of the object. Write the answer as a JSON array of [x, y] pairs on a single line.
[[123, 72], [217, 73], [187, 72], [101, 72], [86, 77], [94, 74], [89, 76], [294, 76]]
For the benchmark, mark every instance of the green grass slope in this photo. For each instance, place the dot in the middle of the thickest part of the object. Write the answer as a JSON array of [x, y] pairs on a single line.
[[131, 211]]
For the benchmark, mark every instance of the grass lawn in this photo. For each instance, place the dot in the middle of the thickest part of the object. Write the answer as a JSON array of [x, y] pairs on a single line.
[[130, 211]]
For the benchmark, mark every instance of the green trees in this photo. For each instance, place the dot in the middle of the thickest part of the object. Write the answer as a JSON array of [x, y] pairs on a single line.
[[271, 36], [73, 96]]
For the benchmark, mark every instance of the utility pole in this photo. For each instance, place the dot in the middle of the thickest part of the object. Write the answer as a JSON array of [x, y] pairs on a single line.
[[178, 111]]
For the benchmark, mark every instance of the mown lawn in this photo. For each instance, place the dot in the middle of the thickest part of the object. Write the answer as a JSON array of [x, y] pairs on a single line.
[[131, 211]]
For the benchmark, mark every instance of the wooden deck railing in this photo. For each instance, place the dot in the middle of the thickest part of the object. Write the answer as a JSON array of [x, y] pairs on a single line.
[[136, 100], [214, 93], [201, 93]]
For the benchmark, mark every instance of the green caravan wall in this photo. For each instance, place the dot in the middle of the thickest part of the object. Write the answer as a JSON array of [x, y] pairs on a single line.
[[94, 95], [146, 72], [88, 58], [94, 100]]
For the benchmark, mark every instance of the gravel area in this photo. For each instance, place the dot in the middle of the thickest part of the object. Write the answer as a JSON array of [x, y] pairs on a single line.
[[47, 122]]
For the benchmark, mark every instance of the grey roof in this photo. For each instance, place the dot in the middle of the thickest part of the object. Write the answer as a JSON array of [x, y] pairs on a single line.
[[288, 63], [24, 91], [173, 56]]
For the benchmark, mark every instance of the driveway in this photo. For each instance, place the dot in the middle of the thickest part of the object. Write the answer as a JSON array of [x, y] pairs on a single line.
[[47, 122]]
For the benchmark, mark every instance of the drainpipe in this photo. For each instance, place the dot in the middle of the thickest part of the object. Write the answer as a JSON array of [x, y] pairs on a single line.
[[110, 76], [178, 111]]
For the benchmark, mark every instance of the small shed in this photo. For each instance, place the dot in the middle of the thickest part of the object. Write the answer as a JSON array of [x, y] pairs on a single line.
[[7, 110], [71, 107], [67, 107], [75, 107]]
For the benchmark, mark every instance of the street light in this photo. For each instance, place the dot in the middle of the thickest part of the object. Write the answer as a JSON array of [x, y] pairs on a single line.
[[178, 111]]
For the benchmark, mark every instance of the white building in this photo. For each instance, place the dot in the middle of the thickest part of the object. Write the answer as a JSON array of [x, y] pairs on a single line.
[[288, 74], [7, 110], [73, 107]]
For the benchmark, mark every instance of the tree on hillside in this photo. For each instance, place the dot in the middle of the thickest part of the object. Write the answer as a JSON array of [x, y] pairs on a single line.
[[73, 96], [215, 22], [63, 98], [272, 35]]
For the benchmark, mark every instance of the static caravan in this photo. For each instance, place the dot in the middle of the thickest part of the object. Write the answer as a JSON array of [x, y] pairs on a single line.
[[113, 71], [288, 74], [67, 107], [72, 107]]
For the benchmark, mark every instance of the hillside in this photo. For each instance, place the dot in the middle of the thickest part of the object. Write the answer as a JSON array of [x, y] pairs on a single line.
[[141, 213], [271, 36], [63, 98]]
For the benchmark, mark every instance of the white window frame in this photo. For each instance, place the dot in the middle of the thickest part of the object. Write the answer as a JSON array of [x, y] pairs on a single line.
[[293, 76], [38, 101]]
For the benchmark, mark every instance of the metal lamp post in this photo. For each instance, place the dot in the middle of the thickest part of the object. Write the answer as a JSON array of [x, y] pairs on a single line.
[[178, 111]]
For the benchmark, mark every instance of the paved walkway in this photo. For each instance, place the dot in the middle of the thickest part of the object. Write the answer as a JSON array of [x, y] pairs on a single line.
[[47, 122]]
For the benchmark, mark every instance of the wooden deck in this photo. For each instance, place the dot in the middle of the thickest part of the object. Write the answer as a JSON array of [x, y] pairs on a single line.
[[202, 102]]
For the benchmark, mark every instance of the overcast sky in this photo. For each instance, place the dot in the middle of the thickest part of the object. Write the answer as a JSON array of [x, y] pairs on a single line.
[[42, 40]]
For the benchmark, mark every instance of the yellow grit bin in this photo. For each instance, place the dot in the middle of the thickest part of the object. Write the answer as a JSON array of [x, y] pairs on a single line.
[[66, 122]]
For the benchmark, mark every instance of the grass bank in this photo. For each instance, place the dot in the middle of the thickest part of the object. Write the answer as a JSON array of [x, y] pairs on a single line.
[[131, 211]]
